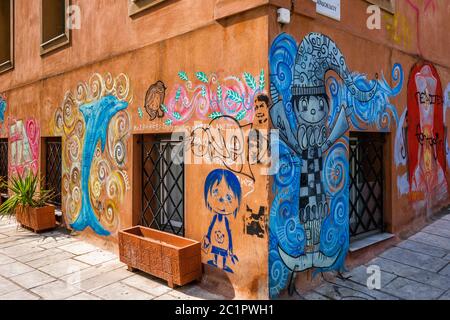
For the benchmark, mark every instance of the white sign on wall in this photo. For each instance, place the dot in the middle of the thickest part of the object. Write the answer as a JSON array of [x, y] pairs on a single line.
[[329, 8]]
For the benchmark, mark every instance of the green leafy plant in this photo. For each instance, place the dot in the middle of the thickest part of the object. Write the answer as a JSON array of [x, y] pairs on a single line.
[[24, 193]]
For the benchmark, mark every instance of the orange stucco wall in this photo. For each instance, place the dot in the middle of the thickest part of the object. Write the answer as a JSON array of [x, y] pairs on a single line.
[[135, 51], [225, 38]]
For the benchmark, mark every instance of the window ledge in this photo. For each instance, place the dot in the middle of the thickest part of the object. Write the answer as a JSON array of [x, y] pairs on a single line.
[[387, 5], [369, 241], [137, 6], [6, 66], [55, 43]]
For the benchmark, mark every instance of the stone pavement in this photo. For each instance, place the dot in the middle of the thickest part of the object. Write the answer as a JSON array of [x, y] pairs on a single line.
[[417, 268], [57, 266]]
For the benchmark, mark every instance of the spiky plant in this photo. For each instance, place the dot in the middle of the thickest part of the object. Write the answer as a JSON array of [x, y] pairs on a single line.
[[24, 193]]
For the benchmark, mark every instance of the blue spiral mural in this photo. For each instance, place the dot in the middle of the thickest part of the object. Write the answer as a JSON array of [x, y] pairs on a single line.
[[3, 105], [97, 116], [309, 216]]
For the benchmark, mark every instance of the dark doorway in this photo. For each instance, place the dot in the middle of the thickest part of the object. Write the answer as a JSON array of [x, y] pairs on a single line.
[[4, 166], [53, 168], [366, 183]]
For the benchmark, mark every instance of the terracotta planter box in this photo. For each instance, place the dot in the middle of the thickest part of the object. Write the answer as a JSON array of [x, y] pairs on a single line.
[[37, 219], [174, 259]]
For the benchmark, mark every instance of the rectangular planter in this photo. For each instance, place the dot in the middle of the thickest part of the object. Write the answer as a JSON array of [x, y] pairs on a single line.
[[172, 258], [37, 219]]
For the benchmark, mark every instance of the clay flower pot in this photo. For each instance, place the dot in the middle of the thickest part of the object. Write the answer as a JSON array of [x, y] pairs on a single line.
[[172, 258]]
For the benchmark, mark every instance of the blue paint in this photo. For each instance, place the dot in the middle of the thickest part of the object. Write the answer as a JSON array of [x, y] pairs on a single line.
[[223, 195], [377, 112], [2, 109], [309, 226], [97, 116]]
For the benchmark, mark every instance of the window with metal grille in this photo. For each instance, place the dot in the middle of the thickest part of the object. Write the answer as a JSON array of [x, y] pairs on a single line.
[[162, 184], [53, 168], [366, 183], [4, 163]]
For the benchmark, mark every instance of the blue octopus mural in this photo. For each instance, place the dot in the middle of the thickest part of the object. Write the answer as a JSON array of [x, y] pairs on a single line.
[[94, 124], [3, 105], [309, 218]]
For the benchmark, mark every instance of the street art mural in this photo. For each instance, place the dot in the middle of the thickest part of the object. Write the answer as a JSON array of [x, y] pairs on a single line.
[[224, 141], [421, 139], [24, 138], [309, 217], [213, 97], [223, 195], [426, 134], [154, 100], [255, 224], [3, 105], [95, 125], [446, 107]]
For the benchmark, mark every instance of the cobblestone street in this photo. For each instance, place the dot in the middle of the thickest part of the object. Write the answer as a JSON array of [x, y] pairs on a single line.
[[57, 266], [417, 268]]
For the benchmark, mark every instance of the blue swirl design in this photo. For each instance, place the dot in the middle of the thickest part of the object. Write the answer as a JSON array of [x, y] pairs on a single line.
[[367, 105], [378, 112], [97, 116], [334, 234], [284, 226], [2, 109]]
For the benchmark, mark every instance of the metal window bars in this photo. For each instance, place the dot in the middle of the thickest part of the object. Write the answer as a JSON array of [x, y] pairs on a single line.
[[366, 184], [4, 163], [53, 168], [162, 186]]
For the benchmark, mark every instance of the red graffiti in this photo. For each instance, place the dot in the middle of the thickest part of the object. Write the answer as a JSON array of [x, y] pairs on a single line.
[[24, 146], [426, 139]]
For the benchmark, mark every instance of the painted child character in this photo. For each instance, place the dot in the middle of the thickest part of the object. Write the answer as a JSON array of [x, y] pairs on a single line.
[[222, 194]]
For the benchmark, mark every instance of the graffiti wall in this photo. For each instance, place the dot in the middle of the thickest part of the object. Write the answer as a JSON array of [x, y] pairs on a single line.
[[309, 217], [24, 141], [213, 97], [446, 120], [421, 146], [224, 121], [94, 124], [3, 106]]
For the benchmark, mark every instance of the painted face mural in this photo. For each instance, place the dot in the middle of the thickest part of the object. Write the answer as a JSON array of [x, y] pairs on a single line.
[[426, 135], [222, 193], [261, 109], [213, 98], [309, 218], [95, 126], [24, 145]]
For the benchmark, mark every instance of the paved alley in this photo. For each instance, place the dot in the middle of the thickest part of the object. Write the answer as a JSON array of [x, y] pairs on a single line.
[[57, 266], [417, 268]]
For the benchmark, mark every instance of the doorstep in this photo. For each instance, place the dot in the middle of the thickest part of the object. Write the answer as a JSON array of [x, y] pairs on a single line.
[[369, 241]]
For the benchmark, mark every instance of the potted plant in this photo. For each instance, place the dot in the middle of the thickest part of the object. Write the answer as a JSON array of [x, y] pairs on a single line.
[[29, 204], [172, 258]]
